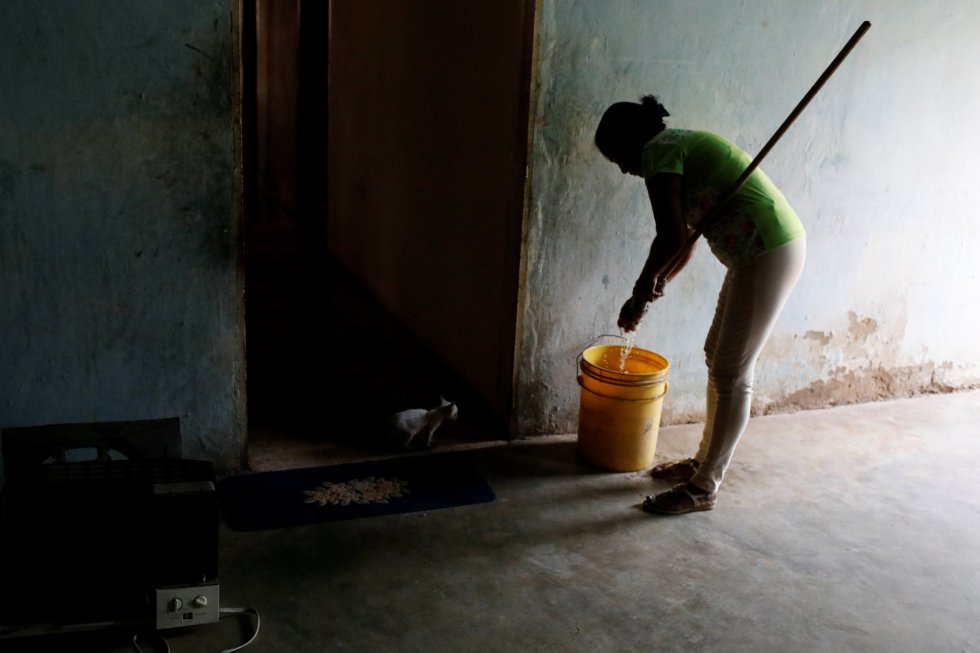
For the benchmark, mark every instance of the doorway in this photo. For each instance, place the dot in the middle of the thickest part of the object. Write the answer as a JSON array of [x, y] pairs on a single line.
[[328, 360], [284, 90]]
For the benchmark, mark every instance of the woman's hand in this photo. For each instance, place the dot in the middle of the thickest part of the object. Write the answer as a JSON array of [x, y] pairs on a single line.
[[631, 314]]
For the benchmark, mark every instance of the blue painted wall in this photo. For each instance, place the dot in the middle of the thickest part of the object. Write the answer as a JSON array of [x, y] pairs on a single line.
[[880, 168], [120, 294]]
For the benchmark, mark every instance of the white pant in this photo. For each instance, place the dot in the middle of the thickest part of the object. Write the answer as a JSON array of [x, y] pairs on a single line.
[[750, 300]]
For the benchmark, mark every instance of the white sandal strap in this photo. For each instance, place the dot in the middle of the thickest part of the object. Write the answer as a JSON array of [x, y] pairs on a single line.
[[694, 497]]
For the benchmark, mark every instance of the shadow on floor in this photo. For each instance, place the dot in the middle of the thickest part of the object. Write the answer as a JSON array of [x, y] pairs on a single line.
[[328, 364]]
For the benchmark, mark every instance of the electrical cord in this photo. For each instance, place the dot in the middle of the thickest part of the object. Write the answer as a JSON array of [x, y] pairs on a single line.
[[258, 623], [160, 637], [221, 613]]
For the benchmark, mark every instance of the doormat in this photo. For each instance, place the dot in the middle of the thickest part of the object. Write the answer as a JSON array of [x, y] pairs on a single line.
[[295, 497]]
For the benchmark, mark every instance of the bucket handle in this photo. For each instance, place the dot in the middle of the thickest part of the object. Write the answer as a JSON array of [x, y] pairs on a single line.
[[578, 358], [599, 394]]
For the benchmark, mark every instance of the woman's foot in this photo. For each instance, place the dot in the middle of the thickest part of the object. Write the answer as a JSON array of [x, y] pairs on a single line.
[[681, 499], [676, 470]]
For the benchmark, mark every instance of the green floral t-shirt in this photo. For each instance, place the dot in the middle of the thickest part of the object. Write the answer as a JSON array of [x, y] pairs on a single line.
[[757, 219]]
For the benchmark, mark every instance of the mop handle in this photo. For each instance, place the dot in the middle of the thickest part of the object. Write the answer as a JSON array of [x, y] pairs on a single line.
[[712, 215]]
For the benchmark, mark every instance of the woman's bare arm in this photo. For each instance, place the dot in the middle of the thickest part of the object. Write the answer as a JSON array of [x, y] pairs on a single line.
[[672, 232], [665, 192]]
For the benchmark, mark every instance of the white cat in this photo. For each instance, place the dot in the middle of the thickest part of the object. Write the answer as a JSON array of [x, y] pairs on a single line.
[[405, 425]]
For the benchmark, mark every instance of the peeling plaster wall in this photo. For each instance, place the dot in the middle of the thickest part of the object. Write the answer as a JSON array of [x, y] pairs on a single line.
[[880, 168], [120, 297]]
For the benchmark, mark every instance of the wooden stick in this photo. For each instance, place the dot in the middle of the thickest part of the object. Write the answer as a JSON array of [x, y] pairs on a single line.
[[712, 215]]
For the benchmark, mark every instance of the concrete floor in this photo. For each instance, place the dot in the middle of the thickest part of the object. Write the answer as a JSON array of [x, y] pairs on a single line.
[[850, 529], [854, 529]]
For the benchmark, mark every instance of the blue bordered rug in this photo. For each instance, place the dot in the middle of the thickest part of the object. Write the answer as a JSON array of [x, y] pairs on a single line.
[[294, 497]]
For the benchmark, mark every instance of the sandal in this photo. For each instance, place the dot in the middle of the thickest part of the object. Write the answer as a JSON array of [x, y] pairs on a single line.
[[676, 470], [681, 499]]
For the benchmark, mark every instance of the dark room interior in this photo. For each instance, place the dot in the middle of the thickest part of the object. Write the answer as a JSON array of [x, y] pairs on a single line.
[[298, 295]]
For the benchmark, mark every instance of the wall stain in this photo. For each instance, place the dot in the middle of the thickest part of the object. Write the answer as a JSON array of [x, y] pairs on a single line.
[[859, 364], [199, 51], [820, 337], [861, 330], [869, 384]]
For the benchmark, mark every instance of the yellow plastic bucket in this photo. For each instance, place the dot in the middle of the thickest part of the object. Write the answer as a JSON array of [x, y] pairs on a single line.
[[619, 411]]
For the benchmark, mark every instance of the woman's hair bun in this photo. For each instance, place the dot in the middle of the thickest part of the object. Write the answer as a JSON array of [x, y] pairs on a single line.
[[651, 104], [625, 127]]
